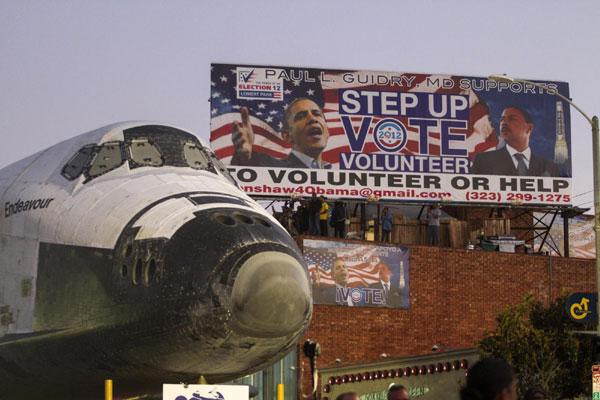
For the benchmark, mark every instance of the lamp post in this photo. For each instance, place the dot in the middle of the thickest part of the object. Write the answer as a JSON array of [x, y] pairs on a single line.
[[594, 122]]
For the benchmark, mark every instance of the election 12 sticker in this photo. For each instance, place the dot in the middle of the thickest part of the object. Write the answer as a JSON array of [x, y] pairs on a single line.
[[259, 84], [390, 135]]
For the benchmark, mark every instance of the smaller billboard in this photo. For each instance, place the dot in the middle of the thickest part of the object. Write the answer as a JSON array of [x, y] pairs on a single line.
[[358, 275]]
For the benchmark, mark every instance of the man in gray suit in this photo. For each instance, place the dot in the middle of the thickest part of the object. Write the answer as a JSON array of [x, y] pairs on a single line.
[[516, 158]]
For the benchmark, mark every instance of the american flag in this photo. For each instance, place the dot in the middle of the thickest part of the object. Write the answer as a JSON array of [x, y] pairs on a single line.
[[362, 263], [582, 237], [265, 115]]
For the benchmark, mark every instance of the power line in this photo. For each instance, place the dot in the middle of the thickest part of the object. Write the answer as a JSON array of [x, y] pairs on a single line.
[[581, 194], [579, 205]]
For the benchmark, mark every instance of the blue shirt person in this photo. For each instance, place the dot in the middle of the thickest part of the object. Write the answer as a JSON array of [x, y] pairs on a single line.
[[386, 224]]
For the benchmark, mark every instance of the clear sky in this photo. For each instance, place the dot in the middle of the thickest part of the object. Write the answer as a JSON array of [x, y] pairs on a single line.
[[67, 67]]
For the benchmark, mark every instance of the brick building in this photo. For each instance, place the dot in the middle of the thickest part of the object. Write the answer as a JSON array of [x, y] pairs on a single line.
[[455, 295]]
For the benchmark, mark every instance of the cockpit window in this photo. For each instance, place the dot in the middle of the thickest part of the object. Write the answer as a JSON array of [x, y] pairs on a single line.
[[143, 152], [194, 156], [77, 163], [144, 146], [109, 157], [219, 165]]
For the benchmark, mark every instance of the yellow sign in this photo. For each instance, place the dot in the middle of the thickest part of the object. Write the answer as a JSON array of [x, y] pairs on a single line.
[[580, 310], [581, 307]]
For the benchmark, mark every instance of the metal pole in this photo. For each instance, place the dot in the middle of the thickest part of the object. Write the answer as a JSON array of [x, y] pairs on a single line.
[[377, 237], [108, 389], [596, 167], [566, 249]]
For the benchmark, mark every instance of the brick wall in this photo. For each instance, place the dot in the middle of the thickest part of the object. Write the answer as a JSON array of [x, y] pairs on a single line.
[[455, 296]]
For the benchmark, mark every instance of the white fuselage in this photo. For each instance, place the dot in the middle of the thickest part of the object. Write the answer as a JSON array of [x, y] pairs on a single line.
[[133, 239]]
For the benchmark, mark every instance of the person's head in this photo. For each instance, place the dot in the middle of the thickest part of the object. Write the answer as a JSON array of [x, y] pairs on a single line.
[[385, 210], [435, 206], [347, 396], [384, 272], [339, 272], [490, 379], [536, 393], [516, 126], [322, 198], [397, 392], [303, 125]]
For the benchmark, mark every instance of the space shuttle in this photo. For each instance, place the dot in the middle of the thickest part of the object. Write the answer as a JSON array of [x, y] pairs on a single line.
[[129, 253]]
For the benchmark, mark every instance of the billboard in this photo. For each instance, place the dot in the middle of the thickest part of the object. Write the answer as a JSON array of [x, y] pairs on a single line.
[[398, 137], [358, 275]]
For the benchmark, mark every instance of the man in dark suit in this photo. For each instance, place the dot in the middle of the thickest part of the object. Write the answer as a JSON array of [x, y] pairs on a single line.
[[303, 125], [391, 294], [516, 157]]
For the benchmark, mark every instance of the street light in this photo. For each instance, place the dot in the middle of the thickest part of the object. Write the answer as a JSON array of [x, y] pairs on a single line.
[[594, 122]]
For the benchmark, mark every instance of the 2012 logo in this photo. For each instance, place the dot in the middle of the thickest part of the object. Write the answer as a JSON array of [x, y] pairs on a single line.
[[390, 135]]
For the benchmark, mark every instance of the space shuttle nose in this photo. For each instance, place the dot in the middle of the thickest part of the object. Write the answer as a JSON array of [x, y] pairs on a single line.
[[270, 296]]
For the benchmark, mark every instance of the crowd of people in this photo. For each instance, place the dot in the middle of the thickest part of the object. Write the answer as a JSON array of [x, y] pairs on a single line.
[[312, 217], [488, 379]]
